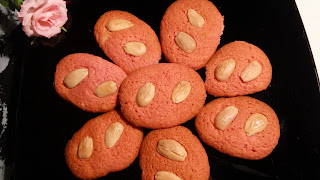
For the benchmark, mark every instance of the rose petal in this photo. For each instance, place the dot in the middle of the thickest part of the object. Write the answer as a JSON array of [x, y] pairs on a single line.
[[24, 9], [45, 17], [26, 25], [63, 4]]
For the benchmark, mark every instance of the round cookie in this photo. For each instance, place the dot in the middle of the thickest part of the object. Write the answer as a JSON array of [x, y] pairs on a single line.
[[107, 143], [224, 124], [238, 68], [89, 82], [173, 152], [190, 32], [127, 41], [162, 95]]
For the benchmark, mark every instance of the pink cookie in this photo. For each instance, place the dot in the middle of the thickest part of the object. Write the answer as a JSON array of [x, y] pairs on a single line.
[[162, 95], [127, 41], [89, 82], [225, 124], [190, 32], [191, 160], [107, 143], [239, 62]]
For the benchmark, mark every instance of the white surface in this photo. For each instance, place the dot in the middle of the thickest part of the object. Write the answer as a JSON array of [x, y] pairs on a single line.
[[310, 14], [3, 108]]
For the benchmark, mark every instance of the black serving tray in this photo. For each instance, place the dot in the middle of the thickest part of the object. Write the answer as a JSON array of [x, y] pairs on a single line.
[[43, 122]]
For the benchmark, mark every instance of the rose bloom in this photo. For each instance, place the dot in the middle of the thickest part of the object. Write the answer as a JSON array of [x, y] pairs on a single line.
[[43, 17]]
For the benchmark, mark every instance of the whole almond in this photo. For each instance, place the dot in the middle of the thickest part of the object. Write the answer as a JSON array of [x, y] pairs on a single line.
[[113, 133], [181, 91], [185, 42], [85, 148], [119, 24], [75, 77], [135, 48], [225, 117], [255, 124], [165, 175], [106, 88], [171, 149], [195, 18], [146, 94], [251, 72], [224, 70]]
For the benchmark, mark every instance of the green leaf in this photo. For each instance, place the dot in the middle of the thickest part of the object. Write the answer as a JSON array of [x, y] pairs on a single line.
[[5, 3], [17, 3]]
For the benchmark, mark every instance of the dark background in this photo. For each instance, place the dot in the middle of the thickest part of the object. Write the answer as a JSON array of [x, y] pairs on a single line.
[[41, 123]]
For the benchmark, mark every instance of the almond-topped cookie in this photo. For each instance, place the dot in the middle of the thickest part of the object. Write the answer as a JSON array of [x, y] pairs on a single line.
[[89, 82], [240, 126], [105, 144], [173, 154], [190, 32], [238, 68], [162, 95], [127, 41]]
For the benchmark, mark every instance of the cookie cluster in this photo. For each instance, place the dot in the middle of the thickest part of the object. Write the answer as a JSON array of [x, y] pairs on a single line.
[[136, 92]]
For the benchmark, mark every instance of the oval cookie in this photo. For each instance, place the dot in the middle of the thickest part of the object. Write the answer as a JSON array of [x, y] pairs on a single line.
[[159, 148], [107, 143], [89, 82], [190, 32], [162, 95], [252, 133], [238, 68], [127, 41]]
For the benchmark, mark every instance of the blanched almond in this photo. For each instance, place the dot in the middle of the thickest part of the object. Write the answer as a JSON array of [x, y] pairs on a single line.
[[75, 77], [195, 18], [119, 24], [185, 42], [135, 48], [165, 175], [255, 124], [85, 148], [146, 94], [181, 91], [225, 117], [251, 72], [224, 70], [171, 149], [106, 88], [113, 133]]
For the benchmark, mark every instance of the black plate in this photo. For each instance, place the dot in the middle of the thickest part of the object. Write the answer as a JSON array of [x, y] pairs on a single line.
[[44, 122]]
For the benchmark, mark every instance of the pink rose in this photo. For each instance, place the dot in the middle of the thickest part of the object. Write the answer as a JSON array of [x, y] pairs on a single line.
[[43, 17]]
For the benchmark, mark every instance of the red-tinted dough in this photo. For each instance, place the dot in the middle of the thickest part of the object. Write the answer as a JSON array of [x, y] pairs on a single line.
[[103, 160], [83, 95], [162, 112], [207, 37], [113, 42], [243, 53], [234, 140], [194, 167]]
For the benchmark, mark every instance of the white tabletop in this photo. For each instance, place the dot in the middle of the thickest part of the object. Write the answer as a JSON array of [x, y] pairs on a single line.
[[310, 15]]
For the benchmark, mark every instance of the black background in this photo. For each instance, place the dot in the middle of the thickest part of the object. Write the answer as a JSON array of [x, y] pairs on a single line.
[[41, 123]]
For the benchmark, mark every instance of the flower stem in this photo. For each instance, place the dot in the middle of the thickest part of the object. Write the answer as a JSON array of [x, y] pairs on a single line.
[[64, 29], [33, 40]]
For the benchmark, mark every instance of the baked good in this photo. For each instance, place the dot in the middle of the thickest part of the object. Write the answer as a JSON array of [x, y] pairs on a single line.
[[107, 143], [127, 41], [162, 95], [190, 32], [238, 68], [173, 153], [89, 82], [241, 126]]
